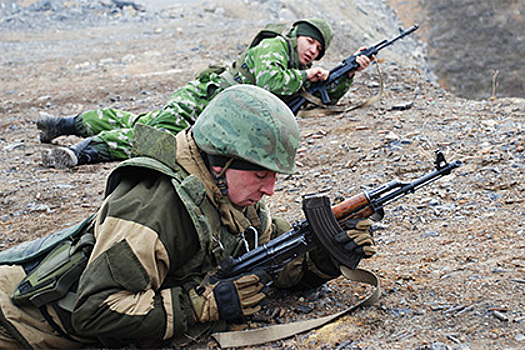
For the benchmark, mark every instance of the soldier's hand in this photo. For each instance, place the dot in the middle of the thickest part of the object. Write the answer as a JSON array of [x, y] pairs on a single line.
[[315, 74], [228, 299], [357, 238], [363, 60]]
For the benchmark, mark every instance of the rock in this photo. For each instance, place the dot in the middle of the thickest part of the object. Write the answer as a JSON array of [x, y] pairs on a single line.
[[430, 234], [304, 309]]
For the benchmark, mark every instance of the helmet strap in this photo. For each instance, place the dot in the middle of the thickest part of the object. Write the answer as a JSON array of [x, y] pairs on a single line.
[[220, 177]]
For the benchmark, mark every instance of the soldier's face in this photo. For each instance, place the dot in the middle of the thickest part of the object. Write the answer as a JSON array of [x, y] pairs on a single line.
[[308, 49], [246, 187]]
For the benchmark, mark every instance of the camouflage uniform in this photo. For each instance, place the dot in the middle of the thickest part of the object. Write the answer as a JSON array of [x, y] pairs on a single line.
[[163, 225], [272, 65]]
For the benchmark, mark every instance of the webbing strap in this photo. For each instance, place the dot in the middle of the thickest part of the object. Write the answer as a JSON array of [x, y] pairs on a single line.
[[331, 109], [229, 78], [278, 332]]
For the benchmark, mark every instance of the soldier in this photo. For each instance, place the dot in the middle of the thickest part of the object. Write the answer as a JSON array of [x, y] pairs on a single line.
[[170, 216], [281, 64]]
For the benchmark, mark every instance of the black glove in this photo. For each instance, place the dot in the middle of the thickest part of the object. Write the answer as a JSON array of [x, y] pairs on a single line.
[[357, 238], [228, 299]]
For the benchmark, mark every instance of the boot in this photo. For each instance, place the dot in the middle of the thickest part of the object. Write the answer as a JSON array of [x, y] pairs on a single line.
[[51, 127], [69, 157]]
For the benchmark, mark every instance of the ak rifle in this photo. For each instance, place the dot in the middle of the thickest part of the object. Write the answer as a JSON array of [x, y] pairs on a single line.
[[348, 66], [323, 222]]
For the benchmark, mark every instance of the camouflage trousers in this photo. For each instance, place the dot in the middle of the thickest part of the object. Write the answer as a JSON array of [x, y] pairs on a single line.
[[113, 129]]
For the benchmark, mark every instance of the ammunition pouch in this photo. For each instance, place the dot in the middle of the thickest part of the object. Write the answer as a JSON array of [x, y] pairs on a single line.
[[54, 276]]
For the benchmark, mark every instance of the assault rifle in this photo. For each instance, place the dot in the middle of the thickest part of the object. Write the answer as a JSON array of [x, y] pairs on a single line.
[[349, 65], [323, 222]]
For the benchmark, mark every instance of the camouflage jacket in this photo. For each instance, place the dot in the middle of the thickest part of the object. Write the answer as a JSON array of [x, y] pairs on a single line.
[[268, 65], [275, 70], [157, 235]]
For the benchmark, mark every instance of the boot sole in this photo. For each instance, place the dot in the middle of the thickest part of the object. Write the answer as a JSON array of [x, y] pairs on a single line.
[[59, 158]]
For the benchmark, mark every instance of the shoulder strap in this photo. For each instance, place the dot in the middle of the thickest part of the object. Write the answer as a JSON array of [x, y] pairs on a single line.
[[278, 332]]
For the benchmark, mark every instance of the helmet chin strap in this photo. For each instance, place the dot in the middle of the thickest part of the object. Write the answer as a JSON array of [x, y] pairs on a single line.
[[220, 177]]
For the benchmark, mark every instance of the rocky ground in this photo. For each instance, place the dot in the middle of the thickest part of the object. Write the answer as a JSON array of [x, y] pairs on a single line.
[[451, 256]]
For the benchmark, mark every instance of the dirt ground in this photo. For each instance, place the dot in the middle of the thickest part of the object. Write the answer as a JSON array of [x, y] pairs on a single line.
[[475, 47], [451, 257]]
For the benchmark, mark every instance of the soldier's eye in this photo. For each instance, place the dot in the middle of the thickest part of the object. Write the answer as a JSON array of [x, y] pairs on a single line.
[[261, 174]]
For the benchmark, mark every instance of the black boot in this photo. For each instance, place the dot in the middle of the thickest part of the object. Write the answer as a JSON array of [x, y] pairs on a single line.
[[68, 157], [51, 127]]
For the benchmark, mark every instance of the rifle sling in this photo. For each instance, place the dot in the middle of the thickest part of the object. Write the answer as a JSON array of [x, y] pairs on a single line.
[[279, 332], [332, 109], [229, 79]]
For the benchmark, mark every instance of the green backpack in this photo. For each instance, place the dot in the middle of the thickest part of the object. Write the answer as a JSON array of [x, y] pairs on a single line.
[[271, 31], [53, 264]]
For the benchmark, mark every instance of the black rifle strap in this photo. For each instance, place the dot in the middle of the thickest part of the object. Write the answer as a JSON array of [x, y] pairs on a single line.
[[332, 109], [53, 324], [283, 331]]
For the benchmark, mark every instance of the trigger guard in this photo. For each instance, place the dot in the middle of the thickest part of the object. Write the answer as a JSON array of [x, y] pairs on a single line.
[[378, 214]]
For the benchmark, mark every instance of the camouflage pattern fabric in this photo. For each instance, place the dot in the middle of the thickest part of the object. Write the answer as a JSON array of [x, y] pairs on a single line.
[[115, 127], [266, 61], [249, 123]]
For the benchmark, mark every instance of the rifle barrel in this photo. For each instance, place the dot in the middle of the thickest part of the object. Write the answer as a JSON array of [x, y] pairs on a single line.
[[400, 36], [414, 185], [376, 199]]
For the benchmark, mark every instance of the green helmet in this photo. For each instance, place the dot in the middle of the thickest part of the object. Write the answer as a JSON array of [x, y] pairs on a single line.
[[249, 123], [324, 29]]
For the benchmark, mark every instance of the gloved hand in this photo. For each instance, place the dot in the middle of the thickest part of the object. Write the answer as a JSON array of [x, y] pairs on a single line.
[[357, 238], [228, 299]]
